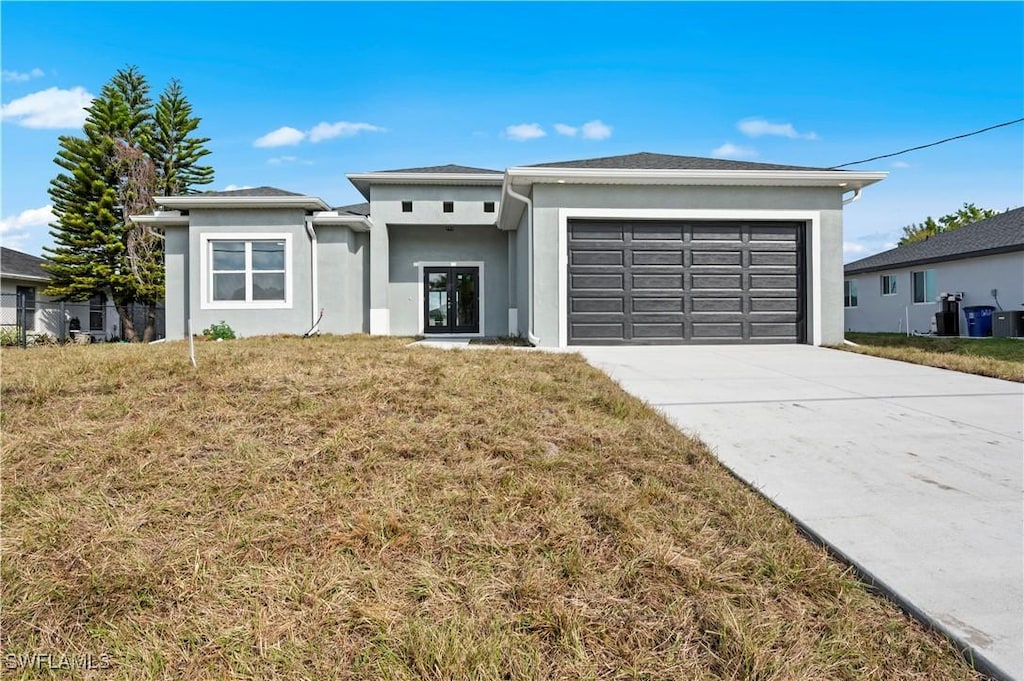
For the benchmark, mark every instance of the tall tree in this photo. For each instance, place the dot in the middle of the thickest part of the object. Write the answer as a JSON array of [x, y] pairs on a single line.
[[965, 215], [173, 147], [112, 172]]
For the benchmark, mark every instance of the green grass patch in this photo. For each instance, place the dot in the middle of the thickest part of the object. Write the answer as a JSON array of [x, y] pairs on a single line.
[[993, 357]]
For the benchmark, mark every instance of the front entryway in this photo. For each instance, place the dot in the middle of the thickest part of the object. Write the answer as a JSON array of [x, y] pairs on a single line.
[[451, 300]]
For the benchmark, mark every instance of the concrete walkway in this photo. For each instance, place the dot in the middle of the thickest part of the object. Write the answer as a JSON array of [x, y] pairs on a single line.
[[912, 473]]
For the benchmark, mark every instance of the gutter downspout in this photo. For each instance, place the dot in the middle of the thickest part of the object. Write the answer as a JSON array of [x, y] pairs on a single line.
[[314, 276], [528, 202], [856, 195]]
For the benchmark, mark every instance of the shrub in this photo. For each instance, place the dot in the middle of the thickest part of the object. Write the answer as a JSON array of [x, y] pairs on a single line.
[[219, 331], [10, 336]]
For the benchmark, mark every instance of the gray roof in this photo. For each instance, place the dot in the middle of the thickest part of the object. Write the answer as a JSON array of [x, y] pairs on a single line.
[[648, 161], [999, 234], [450, 168], [16, 264], [354, 209], [252, 191]]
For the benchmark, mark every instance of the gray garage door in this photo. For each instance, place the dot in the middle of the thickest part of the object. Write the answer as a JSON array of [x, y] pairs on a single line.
[[685, 282]]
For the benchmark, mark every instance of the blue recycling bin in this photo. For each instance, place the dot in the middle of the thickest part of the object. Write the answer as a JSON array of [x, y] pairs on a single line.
[[979, 320]]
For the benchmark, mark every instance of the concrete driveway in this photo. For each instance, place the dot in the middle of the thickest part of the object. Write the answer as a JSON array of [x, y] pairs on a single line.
[[912, 473]]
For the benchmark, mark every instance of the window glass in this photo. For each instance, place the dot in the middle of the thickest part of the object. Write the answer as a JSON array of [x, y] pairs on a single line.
[[924, 286], [229, 286], [850, 294], [228, 255], [268, 255], [888, 284], [268, 286]]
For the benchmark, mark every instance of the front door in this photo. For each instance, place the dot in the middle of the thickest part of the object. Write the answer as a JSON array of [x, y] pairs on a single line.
[[451, 301]]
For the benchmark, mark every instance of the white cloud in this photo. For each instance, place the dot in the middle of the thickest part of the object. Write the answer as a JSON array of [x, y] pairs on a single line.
[[50, 108], [21, 77], [325, 131], [524, 131], [233, 187], [596, 130], [735, 151], [900, 164], [282, 159], [282, 137], [567, 130], [853, 248], [759, 127], [27, 219]]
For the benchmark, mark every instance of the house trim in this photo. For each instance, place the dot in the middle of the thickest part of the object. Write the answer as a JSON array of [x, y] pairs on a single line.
[[200, 201], [812, 219], [420, 265]]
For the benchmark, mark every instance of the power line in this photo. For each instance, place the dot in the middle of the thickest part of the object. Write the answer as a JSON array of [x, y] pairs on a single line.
[[925, 146]]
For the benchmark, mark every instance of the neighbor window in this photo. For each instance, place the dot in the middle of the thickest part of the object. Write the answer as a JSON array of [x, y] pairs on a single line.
[[488, 206], [27, 296], [98, 312], [924, 286], [449, 206], [246, 272], [888, 284], [850, 293], [406, 206]]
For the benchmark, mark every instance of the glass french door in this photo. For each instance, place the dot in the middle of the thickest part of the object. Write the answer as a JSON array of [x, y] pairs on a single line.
[[451, 300]]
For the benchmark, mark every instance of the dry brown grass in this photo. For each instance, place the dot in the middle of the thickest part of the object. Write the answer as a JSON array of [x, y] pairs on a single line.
[[354, 508]]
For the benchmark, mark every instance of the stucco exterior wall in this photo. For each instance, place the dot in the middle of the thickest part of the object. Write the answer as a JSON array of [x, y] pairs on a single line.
[[342, 268], [974, 277], [824, 203], [294, 319], [414, 244], [176, 276]]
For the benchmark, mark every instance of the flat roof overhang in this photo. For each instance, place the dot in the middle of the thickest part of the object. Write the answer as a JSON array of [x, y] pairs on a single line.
[[362, 181]]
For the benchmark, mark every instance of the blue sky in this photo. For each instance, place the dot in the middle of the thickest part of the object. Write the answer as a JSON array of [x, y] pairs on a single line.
[[362, 87]]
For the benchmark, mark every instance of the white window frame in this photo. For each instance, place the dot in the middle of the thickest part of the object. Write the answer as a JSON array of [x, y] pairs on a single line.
[[891, 278], [419, 265], [913, 287], [850, 293], [206, 273]]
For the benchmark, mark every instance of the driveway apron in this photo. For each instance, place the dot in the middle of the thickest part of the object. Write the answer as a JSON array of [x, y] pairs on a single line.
[[914, 474]]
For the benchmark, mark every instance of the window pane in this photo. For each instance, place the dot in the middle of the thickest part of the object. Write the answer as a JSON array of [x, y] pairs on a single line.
[[918, 278], [229, 286], [929, 285], [268, 255], [267, 286], [228, 255]]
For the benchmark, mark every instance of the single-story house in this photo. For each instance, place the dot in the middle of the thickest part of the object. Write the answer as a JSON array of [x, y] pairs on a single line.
[[23, 277], [641, 248], [900, 289]]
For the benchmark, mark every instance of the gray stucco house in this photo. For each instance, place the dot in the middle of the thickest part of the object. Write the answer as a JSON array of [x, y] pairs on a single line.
[[641, 248], [983, 261]]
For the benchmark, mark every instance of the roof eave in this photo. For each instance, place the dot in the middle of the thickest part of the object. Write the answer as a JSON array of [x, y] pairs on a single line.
[[161, 220], [23, 277], [359, 223], [932, 260], [198, 201], [362, 181], [800, 178]]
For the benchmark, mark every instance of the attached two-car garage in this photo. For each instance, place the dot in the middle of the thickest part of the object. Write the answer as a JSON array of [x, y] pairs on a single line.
[[685, 281]]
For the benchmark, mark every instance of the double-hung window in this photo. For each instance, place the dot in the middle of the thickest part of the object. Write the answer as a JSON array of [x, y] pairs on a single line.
[[888, 284], [924, 286], [850, 293], [247, 270]]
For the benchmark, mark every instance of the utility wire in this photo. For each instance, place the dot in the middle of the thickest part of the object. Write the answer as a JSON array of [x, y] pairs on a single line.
[[925, 146]]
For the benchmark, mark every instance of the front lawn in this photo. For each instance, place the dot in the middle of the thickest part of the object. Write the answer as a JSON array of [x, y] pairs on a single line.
[[356, 508], [993, 357]]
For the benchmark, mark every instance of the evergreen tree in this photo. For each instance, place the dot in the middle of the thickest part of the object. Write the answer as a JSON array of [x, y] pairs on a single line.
[[112, 172], [175, 152]]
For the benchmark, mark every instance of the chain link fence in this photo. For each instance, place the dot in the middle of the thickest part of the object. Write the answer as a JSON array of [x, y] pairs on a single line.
[[26, 319]]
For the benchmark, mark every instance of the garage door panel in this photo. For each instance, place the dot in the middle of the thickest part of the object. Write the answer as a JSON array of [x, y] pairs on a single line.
[[613, 305], [685, 282], [666, 257], [602, 258], [716, 281]]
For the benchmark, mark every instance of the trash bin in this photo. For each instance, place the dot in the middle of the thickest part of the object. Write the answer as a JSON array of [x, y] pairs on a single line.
[[979, 320]]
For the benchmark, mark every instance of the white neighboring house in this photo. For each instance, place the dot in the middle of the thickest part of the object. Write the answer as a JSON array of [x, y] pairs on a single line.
[[21, 273], [984, 261]]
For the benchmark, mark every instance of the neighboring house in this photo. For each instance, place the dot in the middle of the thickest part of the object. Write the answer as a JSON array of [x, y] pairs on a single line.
[[642, 248], [22, 274], [984, 261]]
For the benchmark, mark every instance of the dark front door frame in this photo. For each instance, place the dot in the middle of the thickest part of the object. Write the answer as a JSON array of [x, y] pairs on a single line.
[[464, 321]]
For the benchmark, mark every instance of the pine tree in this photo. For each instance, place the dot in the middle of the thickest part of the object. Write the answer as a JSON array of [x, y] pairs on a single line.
[[175, 152], [110, 173]]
